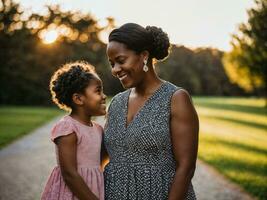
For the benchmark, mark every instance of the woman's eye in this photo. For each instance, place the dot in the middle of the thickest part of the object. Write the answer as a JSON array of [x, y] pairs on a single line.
[[121, 62]]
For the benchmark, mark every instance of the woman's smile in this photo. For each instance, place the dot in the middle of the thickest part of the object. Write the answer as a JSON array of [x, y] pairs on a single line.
[[121, 77]]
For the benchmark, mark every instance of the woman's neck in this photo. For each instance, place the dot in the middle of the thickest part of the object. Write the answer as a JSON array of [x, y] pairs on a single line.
[[81, 117], [150, 83]]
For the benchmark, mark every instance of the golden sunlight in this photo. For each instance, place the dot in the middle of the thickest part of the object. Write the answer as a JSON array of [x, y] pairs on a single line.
[[49, 36]]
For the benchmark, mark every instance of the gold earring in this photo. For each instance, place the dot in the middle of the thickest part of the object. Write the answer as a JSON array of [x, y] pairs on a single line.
[[145, 68]]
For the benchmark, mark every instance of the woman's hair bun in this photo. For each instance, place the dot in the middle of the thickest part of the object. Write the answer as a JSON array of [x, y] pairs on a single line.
[[160, 42]]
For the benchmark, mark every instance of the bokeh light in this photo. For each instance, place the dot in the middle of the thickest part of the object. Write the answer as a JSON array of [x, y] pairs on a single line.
[[49, 36]]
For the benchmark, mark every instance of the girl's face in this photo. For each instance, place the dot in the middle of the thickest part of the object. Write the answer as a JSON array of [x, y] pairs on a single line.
[[126, 64], [94, 100]]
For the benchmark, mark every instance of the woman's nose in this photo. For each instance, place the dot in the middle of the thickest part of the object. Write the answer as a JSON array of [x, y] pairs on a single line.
[[116, 69]]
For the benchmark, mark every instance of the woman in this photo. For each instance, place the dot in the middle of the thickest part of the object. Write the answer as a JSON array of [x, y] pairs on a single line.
[[151, 133]]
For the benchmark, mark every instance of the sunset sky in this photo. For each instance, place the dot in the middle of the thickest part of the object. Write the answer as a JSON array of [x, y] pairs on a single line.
[[193, 23]]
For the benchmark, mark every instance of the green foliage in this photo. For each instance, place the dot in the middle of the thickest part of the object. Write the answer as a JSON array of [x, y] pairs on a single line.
[[233, 139], [18, 121], [200, 71], [246, 64], [27, 63]]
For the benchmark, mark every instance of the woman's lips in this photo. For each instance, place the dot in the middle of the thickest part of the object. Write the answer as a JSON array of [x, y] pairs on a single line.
[[122, 77]]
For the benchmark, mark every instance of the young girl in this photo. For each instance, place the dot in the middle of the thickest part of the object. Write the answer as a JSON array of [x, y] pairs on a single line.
[[77, 88]]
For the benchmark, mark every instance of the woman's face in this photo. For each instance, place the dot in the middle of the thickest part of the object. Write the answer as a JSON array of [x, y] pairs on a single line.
[[126, 64]]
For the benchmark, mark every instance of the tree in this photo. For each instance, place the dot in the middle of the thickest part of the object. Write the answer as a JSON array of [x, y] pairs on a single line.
[[27, 63], [200, 71], [246, 63]]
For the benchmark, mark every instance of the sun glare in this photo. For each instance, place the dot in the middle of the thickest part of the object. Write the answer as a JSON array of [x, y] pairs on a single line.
[[49, 36]]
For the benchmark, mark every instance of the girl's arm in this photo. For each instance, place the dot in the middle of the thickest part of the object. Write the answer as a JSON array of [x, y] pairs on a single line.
[[67, 148], [184, 132]]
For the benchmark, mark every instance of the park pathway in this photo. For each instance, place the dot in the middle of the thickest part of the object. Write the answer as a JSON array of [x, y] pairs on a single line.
[[26, 164]]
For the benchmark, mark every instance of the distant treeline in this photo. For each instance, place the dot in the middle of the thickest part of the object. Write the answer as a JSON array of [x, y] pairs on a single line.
[[26, 63], [200, 71]]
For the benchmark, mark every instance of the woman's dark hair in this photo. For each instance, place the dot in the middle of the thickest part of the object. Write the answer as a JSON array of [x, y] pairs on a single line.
[[138, 39], [69, 79]]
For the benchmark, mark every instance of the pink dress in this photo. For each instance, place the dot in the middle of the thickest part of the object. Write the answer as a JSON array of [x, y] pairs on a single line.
[[88, 160]]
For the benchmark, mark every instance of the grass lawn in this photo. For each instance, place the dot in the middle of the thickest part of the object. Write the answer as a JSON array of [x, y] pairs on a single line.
[[18, 121], [233, 139], [233, 136]]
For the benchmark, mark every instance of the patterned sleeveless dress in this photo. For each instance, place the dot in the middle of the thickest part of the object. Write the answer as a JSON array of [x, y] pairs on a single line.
[[142, 163]]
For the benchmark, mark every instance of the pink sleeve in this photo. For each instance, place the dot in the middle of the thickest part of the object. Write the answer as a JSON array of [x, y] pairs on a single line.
[[62, 128]]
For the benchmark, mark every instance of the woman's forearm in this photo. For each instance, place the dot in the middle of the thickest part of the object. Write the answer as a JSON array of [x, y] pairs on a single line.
[[104, 157], [77, 185], [104, 162], [180, 183]]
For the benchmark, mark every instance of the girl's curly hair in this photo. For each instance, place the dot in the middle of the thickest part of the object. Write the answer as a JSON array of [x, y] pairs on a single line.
[[69, 79]]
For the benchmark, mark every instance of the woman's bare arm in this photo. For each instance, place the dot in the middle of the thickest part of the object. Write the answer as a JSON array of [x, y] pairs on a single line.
[[184, 133], [104, 155]]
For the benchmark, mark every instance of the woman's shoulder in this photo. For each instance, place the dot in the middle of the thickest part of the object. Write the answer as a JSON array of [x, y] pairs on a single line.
[[121, 95], [181, 95], [178, 94], [182, 103], [168, 90], [172, 87], [119, 98]]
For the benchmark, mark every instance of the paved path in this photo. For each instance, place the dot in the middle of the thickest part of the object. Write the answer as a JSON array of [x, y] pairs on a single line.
[[26, 164]]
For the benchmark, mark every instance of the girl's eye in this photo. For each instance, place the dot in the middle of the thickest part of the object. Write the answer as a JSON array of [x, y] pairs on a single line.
[[98, 90], [112, 65]]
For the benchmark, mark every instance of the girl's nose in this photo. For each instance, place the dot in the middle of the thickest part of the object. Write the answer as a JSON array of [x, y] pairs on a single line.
[[104, 96]]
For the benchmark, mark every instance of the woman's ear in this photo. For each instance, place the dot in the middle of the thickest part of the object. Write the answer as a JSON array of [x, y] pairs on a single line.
[[145, 55], [77, 99]]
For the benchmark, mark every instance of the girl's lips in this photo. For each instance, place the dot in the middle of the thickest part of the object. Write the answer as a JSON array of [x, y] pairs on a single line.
[[103, 106]]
